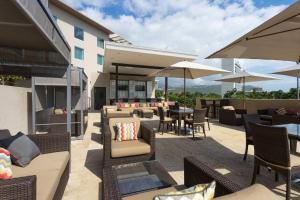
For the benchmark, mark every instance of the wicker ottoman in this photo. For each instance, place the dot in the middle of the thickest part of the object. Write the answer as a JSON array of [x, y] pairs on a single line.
[[145, 113]]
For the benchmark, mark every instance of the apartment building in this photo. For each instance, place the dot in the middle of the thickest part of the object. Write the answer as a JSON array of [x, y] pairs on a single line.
[[116, 69]]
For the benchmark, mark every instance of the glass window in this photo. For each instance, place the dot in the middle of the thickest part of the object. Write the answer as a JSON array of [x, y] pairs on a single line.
[[123, 89], [140, 89], [79, 53], [100, 43], [78, 33], [100, 59]]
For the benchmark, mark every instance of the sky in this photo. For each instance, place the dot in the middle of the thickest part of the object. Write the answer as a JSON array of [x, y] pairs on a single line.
[[198, 27]]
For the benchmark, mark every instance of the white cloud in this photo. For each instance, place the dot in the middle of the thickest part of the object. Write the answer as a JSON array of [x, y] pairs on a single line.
[[193, 26]]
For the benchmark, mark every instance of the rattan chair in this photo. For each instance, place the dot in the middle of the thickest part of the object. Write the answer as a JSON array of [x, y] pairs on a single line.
[[250, 118], [164, 120], [207, 118], [198, 120], [271, 147]]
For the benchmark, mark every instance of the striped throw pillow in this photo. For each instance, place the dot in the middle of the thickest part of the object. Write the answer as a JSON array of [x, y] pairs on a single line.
[[5, 164], [126, 131]]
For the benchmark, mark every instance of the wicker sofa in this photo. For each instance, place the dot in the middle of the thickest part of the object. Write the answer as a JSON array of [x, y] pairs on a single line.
[[271, 115], [127, 151], [231, 116], [46, 176], [195, 172]]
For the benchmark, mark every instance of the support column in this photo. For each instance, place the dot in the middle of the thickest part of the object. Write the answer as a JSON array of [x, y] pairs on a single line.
[[117, 83], [81, 102], [33, 102], [69, 93], [166, 88]]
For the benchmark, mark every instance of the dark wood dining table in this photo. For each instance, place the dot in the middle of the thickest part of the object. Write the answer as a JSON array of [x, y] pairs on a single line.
[[180, 114]]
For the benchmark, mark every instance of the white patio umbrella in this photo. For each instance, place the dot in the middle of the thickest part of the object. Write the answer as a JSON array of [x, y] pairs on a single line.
[[245, 77], [276, 39], [293, 71], [190, 70]]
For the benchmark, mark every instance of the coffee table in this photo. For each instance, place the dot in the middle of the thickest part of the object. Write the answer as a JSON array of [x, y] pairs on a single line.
[[129, 179]]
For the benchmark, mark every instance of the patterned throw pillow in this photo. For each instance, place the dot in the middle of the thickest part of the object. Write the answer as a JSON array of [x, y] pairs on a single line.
[[5, 164], [197, 192], [126, 131], [281, 111]]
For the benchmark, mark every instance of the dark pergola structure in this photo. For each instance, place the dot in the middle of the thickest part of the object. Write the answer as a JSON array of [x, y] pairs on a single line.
[[44, 99], [31, 44]]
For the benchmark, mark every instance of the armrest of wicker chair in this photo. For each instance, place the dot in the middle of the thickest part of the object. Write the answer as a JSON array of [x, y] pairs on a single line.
[[106, 143], [49, 143], [195, 172], [149, 136], [18, 188]]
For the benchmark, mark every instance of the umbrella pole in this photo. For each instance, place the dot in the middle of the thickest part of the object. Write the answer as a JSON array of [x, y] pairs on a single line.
[[244, 88], [298, 88], [184, 86]]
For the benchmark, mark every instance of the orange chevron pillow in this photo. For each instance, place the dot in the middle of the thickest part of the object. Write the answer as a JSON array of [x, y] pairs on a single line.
[[126, 131], [5, 164]]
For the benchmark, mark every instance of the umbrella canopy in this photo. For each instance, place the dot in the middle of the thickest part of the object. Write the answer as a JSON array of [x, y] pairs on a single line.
[[192, 70], [276, 39], [291, 71], [244, 77], [189, 70]]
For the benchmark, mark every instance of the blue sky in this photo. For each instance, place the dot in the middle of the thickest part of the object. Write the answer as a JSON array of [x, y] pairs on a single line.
[[199, 27]]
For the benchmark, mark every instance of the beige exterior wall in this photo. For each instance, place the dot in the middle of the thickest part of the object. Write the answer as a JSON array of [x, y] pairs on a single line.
[[252, 105], [67, 22], [15, 106]]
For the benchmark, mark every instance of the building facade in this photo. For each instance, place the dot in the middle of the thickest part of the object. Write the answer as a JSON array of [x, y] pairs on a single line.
[[87, 39]]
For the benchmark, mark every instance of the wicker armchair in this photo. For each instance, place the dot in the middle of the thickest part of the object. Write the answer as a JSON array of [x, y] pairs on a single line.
[[147, 136], [231, 116], [25, 188], [271, 149], [285, 119]]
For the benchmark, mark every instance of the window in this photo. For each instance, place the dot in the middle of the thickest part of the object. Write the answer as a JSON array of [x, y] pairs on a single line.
[[100, 43], [140, 89], [78, 33], [100, 59], [79, 53]]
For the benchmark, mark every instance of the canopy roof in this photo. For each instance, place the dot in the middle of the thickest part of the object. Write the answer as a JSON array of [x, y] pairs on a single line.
[[293, 71], [193, 70], [136, 60], [30, 41], [276, 39], [244, 76]]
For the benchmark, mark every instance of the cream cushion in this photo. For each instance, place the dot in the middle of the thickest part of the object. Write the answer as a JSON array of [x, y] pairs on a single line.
[[118, 114], [228, 107], [256, 191], [129, 148], [48, 169], [113, 121]]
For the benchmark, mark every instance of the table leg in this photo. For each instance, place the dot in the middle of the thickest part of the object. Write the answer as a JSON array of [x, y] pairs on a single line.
[[179, 123]]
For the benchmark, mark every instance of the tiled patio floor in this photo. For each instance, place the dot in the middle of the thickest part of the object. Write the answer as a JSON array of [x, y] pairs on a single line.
[[223, 150]]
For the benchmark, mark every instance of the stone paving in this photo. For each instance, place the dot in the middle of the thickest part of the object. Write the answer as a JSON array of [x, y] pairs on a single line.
[[222, 149]]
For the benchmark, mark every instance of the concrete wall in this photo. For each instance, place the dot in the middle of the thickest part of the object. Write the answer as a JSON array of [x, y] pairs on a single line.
[[15, 108], [252, 105]]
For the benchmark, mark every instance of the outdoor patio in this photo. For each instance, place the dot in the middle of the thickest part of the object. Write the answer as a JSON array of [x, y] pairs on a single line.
[[222, 149]]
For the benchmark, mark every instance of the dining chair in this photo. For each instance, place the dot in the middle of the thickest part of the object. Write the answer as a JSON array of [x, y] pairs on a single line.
[[164, 120], [247, 119], [271, 149], [207, 118], [197, 120]]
